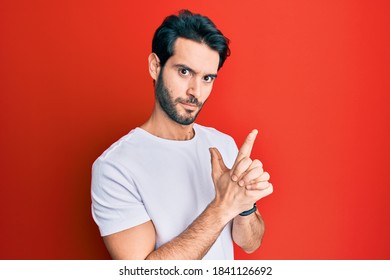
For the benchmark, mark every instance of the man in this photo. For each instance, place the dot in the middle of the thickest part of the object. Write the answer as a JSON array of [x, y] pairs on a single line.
[[155, 194]]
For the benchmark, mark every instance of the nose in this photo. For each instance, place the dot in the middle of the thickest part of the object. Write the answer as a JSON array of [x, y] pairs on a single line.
[[195, 87]]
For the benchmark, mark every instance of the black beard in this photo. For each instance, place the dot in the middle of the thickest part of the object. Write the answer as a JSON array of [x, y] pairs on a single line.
[[169, 105]]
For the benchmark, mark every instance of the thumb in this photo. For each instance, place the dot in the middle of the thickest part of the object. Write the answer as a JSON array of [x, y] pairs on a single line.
[[217, 164]]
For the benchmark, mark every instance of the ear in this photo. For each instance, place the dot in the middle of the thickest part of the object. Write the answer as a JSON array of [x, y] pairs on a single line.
[[154, 65]]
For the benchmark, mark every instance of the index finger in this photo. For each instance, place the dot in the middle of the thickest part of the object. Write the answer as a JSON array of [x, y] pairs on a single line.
[[246, 148]]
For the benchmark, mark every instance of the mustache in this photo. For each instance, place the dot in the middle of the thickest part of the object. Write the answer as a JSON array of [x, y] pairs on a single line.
[[192, 100]]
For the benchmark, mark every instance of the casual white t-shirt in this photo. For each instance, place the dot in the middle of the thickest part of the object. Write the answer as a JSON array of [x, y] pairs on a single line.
[[142, 177]]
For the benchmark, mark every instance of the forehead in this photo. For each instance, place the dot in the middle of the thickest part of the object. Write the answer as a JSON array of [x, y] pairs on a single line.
[[198, 56]]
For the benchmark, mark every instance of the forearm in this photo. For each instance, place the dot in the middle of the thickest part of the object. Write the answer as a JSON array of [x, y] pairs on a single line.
[[248, 231], [196, 240]]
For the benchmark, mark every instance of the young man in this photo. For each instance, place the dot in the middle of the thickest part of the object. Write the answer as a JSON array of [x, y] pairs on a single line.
[[172, 189]]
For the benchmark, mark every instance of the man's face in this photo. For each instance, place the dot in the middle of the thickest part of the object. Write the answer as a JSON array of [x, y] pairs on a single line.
[[186, 80]]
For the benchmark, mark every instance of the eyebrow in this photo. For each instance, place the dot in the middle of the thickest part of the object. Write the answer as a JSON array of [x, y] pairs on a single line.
[[192, 70]]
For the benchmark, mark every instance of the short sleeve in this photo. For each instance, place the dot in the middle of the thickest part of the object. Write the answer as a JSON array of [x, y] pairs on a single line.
[[116, 202]]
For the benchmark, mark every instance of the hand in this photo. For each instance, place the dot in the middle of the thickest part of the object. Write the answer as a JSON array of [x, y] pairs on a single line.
[[249, 173], [237, 189]]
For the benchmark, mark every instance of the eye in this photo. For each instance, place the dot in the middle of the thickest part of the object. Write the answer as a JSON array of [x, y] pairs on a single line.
[[209, 79], [184, 72]]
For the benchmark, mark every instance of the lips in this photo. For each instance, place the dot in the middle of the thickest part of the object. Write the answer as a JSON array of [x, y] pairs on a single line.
[[190, 106]]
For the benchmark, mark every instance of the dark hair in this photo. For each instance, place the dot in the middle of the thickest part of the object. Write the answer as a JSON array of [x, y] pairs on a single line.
[[190, 26]]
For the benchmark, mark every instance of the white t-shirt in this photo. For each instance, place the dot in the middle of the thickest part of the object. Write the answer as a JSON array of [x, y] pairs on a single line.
[[142, 177]]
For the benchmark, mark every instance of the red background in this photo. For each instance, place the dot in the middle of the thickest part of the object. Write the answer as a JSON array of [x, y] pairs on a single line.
[[311, 76]]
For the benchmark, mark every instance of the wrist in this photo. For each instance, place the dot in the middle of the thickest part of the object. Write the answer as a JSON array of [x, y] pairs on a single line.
[[224, 214], [250, 211]]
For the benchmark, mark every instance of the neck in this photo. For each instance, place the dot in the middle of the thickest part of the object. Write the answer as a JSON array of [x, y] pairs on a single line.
[[160, 125]]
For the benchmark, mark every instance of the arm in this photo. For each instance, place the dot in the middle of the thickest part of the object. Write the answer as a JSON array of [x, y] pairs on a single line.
[[197, 239], [248, 231], [138, 242]]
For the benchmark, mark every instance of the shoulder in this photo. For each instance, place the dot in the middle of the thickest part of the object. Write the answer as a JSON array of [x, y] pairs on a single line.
[[210, 131], [224, 142], [126, 142], [214, 134], [119, 158], [124, 148]]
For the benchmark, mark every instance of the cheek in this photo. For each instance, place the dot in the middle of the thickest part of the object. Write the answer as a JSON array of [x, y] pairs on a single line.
[[176, 86], [207, 92]]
